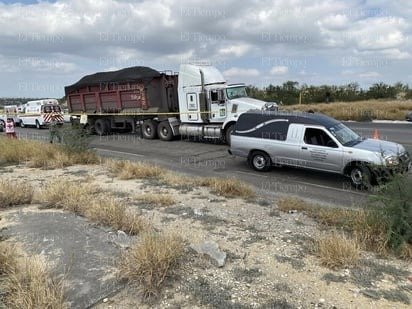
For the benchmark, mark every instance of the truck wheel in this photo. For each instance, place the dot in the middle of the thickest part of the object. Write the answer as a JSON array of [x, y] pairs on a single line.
[[228, 134], [101, 127], [38, 126], [21, 124], [260, 161], [360, 177], [149, 129], [165, 131], [89, 129]]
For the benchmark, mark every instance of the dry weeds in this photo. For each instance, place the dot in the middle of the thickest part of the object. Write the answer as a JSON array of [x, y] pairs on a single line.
[[113, 213], [26, 282], [41, 155], [13, 193], [337, 250], [151, 261], [156, 199], [227, 187], [133, 170], [389, 110]]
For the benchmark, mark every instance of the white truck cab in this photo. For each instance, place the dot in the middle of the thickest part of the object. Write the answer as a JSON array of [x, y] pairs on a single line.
[[208, 106]]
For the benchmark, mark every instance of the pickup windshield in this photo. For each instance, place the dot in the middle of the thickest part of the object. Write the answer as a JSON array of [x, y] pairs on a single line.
[[345, 135], [236, 92]]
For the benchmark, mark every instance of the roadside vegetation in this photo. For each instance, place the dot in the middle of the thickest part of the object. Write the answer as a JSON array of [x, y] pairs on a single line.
[[151, 261], [42, 155], [25, 282], [13, 193], [86, 201], [384, 226], [227, 187], [358, 111]]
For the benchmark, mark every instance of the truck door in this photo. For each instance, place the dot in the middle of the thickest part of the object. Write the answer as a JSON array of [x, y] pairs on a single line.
[[319, 150], [218, 108]]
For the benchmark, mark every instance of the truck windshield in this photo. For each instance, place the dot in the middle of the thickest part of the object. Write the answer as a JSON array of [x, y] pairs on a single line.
[[345, 135], [236, 92]]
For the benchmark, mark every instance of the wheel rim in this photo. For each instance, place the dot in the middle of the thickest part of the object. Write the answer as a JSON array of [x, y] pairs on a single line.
[[148, 130], [259, 161], [164, 131], [357, 176]]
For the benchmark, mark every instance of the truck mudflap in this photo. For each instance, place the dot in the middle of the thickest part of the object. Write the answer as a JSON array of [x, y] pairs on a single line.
[[83, 119], [174, 124]]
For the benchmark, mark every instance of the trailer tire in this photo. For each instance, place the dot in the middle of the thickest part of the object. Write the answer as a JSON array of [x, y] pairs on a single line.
[[164, 131], [38, 126], [101, 127], [149, 129]]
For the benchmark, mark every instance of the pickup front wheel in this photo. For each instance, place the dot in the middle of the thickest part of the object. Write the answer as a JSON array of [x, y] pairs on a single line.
[[260, 161], [360, 177]]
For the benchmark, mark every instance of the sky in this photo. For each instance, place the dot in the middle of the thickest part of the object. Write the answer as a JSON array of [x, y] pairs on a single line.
[[47, 45]]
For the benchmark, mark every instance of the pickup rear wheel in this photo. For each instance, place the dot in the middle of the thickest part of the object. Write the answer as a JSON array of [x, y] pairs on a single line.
[[360, 177], [165, 131], [260, 161], [149, 129]]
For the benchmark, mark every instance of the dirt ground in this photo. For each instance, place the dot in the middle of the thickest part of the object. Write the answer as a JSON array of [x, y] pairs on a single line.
[[270, 258]]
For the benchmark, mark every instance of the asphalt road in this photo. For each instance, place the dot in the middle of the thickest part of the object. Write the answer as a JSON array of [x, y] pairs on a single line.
[[210, 159]]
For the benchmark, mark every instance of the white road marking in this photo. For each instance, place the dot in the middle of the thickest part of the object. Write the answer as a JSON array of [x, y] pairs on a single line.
[[120, 152]]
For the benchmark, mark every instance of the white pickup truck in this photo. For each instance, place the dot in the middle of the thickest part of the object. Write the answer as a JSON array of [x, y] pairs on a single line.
[[318, 142]]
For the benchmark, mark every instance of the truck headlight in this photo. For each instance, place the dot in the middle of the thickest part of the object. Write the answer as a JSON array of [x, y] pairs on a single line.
[[270, 106], [392, 161]]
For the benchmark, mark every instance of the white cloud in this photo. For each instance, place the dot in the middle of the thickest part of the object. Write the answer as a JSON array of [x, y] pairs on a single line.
[[240, 72], [235, 50], [370, 75], [279, 70], [86, 36]]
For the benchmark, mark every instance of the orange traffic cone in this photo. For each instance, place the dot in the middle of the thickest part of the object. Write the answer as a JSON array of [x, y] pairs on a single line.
[[376, 134]]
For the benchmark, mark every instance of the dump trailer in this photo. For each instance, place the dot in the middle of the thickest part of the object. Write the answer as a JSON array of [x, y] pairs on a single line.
[[196, 102]]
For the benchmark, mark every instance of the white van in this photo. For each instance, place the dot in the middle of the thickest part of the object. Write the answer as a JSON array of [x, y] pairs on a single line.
[[10, 111], [40, 113]]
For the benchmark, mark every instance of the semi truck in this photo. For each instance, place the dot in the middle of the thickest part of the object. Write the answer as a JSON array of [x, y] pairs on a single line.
[[195, 102]]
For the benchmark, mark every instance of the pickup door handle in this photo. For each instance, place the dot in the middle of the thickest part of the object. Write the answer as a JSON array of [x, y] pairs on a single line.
[[305, 148]]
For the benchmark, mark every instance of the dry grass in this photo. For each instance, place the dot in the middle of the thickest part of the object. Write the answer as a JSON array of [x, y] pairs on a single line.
[[390, 110], [113, 213], [157, 199], [151, 261], [227, 187], [337, 250], [41, 155], [133, 170], [13, 193], [26, 282], [328, 216], [368, 227], [177, 181], [84, 200], [68, 195]]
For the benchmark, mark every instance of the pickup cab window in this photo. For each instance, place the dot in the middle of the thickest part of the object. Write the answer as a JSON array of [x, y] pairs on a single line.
[[318, 137]]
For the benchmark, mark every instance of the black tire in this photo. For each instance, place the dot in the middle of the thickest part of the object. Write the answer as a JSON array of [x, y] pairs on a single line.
[[360, 177], [260, 161], [2, 123], [38, 126], [101, 126], [149, 129], [22, 124], [89, 129], [228, 133], [164, 131]]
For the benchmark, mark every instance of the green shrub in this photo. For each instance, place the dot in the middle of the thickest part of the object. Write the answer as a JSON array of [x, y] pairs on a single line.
[[395, 212]]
